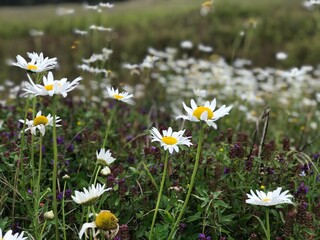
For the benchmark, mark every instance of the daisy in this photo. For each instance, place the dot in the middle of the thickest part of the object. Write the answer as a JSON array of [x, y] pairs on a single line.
[[204, 112], [87, 197], [104, 220], [40, 122], [114, 93], [37, 62], [270, 198], [51, 86], [170, 140], [10, 236], [104, 157], [106, 5]]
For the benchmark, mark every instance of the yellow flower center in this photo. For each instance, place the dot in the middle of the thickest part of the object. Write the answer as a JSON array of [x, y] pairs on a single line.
[[207, 4], [106, 220], [199, 110], [117, 96], [266, 199], [169, 140], [31, 67], [40, 120], [48, 87]]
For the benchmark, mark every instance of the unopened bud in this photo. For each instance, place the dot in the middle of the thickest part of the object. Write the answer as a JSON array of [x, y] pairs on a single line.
[[105, 171], [48, 215]]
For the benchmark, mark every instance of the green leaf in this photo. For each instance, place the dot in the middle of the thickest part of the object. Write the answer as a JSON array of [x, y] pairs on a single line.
[[194, 217]]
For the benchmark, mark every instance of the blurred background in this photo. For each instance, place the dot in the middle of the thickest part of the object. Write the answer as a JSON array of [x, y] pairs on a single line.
[[246, 29]]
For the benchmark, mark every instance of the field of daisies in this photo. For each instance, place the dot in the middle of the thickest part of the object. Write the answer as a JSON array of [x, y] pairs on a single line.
[[183, 144]]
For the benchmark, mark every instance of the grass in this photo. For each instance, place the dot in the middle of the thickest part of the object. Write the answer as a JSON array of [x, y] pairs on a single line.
[[160, 24]]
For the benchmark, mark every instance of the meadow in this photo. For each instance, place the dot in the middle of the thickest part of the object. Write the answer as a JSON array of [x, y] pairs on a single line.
[[160, 120]]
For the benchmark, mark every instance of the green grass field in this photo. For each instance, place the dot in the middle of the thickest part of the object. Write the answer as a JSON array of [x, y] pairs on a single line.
[[281, 26]]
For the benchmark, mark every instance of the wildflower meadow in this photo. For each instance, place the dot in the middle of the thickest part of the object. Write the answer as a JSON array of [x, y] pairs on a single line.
[[173, 137]]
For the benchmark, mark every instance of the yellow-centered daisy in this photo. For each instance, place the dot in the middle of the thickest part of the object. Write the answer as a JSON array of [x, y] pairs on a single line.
[[170, 140], [105, 221], [270, 198], [51, 86], [123, 96], [88, 197], [37, 62], [40, 122], [205, 112]]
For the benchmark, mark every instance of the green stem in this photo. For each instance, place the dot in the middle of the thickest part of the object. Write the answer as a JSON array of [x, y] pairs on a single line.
[[43, 227], [20, 168], [108, 127], [194, 173], [247, 43], [150, 175], [268, 224], [160, 194], [63, 213], [34, 103], [96, 175], [39, 168], [37, 191], [55, 171]]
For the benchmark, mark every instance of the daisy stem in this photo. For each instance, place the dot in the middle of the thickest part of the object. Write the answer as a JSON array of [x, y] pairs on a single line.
[[34, 103], [63, 213], [96, 174], [55, 170], [37, 191], [159, 194], [194, 173], [113, 111], [43, 227], [150, 175], [39, 168], [20, 169], [268, 224]]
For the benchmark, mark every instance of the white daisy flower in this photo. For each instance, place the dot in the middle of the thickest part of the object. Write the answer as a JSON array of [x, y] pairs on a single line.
[[40, 122], [51, 86], [186, 44], [10, 236], [170, 140], [124, 96], [37, 62], [87, 197], [270, 198], [204, 112], [104, 220], [104, 157], [106, 5]]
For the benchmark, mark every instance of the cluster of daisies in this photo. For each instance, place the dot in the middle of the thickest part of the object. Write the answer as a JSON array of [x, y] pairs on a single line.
[[105, 222], [41, 84]]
